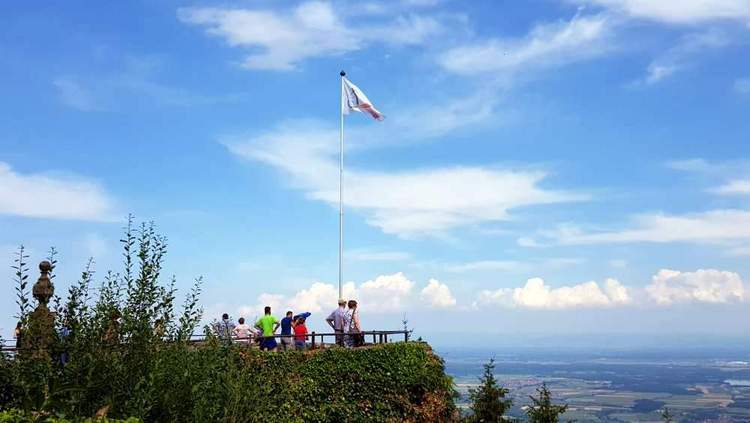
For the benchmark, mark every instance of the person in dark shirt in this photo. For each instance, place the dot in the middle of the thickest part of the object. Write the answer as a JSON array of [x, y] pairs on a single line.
[[287, 341]]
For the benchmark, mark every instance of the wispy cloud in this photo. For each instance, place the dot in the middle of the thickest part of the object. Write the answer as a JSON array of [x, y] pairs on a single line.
[[711, 227], [678, 11], [311, 29], [410, 202], [681, 56], [53, 197], [365, 254], [742, 86], [135, 80], [74, 95], [546, 45]]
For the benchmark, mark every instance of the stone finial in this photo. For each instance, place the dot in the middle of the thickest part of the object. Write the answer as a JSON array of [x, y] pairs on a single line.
[[43, 289]]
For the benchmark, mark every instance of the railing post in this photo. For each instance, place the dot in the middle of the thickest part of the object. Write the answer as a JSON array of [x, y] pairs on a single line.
[[313, 340], [406, 336]]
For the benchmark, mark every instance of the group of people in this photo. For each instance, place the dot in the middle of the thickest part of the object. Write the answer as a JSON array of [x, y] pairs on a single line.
[[346, 325], [263, 332], [344, 322]]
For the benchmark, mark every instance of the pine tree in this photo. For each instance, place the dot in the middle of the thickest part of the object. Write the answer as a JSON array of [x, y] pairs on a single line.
[[488, 400], [543, 410]]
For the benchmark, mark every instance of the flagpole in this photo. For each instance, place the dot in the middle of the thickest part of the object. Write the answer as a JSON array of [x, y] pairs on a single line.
[[341, 192]]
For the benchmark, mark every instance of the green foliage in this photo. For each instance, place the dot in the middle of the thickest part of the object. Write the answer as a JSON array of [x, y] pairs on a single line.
[[667, 416], [18, 416], [542, 409], [488, 400], [21, 281]]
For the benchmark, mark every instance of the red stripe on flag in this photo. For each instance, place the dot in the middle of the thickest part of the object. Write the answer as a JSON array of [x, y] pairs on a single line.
[[369, 109]]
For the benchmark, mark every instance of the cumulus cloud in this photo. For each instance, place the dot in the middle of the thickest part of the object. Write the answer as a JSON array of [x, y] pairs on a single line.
[[707, 286], [384, 294], [280, 39], [679, 11], [407, 203], [548, 44], [437, 295], [53, 197], [535, 294]]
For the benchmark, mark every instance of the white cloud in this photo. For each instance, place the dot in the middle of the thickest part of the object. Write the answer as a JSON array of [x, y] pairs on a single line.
[[279, 40], [53, 197], [384, 294], [708, 286], [484, 265], [715, 226], [679, 11], [560, 43], [437, 295], [742, 86], [679, 57], [734, 187], [537, 295], [407, 203]]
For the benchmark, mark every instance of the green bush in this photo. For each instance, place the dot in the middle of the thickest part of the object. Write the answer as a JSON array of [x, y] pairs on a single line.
[[212, 383]]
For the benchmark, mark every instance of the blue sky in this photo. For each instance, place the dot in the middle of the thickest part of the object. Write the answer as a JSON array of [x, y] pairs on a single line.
[[551, 166]]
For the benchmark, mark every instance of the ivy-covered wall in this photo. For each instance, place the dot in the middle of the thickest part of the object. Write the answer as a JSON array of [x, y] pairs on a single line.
[[212, 383]]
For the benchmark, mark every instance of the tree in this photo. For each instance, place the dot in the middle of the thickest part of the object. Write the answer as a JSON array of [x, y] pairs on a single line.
[[667, 415], [488, 400], [542, 409]]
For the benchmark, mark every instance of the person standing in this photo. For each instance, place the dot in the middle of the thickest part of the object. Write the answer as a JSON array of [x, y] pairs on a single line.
[[353, 327], [287, 341], [336, 321], [268, 324], [300, 334], [243, 332], [224, 329]]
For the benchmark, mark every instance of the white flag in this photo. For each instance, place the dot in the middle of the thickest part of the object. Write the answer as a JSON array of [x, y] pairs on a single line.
[[353, 99]]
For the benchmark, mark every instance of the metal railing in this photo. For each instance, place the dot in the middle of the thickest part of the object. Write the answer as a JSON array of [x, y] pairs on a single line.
[[318, 339], [313, 340]]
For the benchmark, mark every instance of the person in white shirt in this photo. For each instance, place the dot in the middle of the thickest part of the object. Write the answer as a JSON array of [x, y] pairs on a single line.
[[243, 333]]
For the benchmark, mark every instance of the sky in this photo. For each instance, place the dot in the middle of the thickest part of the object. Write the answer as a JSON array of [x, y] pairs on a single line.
[[546, 167]]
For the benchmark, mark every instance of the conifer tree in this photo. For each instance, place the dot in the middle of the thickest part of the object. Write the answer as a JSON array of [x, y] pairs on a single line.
[[667, 416], [542, 409], [489, 404]]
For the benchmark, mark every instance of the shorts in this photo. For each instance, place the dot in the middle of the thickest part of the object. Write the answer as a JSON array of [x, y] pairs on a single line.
[[300, 345], [268, 343], [287, 342]]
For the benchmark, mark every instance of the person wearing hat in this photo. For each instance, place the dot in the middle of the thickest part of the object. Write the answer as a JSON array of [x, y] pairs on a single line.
[[336, 321]]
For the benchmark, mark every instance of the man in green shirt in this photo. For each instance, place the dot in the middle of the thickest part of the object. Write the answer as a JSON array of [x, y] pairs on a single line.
[[268, 324]]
